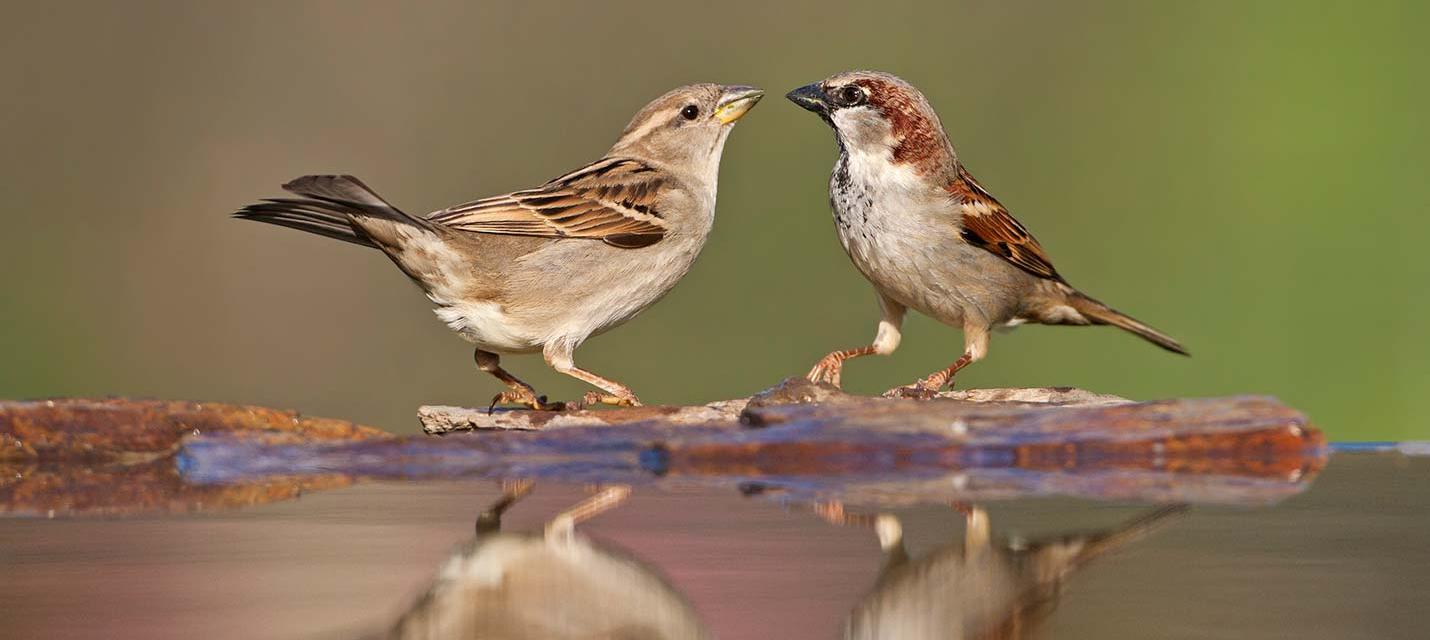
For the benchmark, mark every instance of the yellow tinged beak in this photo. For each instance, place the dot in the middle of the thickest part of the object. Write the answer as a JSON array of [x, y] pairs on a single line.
[[735, 103]]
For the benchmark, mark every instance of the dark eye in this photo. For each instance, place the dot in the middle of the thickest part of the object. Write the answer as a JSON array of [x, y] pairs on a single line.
[[690, 111], [851, 95]]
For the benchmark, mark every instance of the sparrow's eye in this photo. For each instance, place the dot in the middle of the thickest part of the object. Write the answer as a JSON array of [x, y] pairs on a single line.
[[690, 111], [851, 96]]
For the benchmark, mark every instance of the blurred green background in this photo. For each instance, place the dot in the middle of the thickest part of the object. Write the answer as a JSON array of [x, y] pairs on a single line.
[[1247, 176]]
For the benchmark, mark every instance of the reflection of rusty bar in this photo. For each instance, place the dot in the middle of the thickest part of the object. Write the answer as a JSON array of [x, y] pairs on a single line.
[[98, 430], [152, 487]]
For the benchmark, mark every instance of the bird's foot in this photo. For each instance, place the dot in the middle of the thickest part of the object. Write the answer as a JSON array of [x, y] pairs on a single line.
[[525, 397], [922, 390], [834, 513], [827, 371], [831, 512], [912, 392], [616, 400], [517, 488]]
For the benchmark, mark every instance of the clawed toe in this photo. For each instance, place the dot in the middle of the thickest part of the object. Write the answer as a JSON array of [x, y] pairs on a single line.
[[525, 398], [595, 397], [825, 373], [916, 391], [534, 402]]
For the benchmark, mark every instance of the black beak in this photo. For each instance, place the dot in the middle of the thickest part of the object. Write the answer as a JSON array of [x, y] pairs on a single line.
[[810, 97]]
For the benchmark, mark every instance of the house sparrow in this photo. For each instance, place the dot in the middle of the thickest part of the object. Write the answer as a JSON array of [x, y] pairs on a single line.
[[551, 584], [546, 268], [982, 586], [922, 230]]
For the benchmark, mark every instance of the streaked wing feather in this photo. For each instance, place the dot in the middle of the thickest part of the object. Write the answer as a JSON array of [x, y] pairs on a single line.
[[612, 200], [988, 225]]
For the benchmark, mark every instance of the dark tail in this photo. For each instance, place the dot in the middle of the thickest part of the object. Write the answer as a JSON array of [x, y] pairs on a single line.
[[327, 207], [1099, 313], [1089, 547]]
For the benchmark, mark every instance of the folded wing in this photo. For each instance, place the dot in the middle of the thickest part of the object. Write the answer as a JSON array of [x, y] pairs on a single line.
[[988, 225], [613, 200]]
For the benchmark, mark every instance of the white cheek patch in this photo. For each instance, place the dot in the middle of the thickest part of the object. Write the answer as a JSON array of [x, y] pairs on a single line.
[[864, 130]]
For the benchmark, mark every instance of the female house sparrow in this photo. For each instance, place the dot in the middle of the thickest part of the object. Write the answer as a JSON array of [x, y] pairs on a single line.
[[928, 237], [551, 584], [545, 268]]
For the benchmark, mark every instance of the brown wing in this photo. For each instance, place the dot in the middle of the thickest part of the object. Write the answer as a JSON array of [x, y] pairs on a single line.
[[612, 200], [988, 225]]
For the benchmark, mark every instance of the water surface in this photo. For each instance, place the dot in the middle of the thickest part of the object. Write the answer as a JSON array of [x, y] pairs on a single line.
[[1345, 558]]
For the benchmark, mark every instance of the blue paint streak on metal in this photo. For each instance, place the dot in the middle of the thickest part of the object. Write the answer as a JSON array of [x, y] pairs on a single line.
[[655, 460], [224, 460], [1362, 447]]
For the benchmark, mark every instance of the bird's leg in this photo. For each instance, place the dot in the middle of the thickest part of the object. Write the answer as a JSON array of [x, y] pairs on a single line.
[[517, 392], [563, 526], [614, 393], [975, 346], [890, 532], [927, 388], [976, 533], [829, 368], [886, 526], [833, 512], [489, 521]]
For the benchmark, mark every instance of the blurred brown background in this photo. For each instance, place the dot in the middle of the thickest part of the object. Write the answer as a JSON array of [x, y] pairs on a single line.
[[1245, 176]]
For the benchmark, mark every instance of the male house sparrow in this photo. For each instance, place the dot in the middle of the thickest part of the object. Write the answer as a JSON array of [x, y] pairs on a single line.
[[928, 237], [545, 268]]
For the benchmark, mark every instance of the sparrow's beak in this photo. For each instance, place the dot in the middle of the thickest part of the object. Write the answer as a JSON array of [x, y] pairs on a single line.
[[810, 97], [735, 102]]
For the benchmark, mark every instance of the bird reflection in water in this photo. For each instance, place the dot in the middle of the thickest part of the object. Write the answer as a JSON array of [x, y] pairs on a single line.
[[552, 584], [979, 588]]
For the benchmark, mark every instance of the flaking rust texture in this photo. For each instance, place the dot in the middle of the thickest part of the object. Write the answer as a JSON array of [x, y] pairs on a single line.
[[798, 427], [1254, 436], [118, 456]]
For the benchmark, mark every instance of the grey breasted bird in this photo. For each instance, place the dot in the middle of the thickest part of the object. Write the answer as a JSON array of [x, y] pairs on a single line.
[[546, 268], [927, 236]]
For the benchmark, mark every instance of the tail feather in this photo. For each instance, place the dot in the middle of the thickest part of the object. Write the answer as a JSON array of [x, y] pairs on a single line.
[[328, 207], [1099, 313], [341, 189], [1074, 551], [304, 215]]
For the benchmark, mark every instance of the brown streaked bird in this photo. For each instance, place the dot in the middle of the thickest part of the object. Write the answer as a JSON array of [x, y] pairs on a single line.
[[982, 587], [544, 269], [552, 584], [927, 236]]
